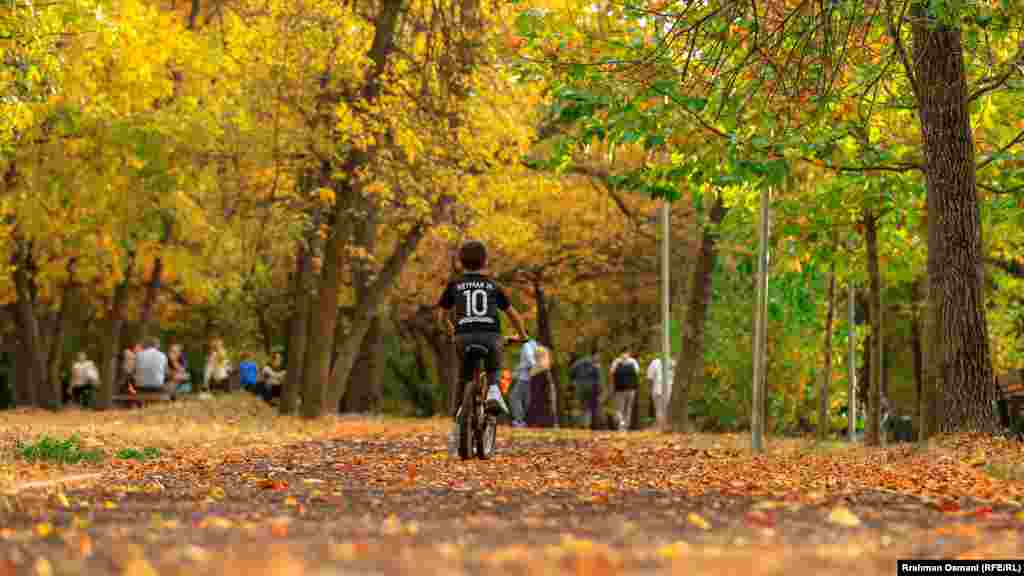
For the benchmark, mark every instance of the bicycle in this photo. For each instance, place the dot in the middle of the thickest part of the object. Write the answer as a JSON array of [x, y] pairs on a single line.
[[477, 430]]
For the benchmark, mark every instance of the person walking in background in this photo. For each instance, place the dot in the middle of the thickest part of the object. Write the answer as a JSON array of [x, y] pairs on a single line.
[[542, 410], [520, 395], [586, 374], [661, 388], [625, 374], [218, 369]]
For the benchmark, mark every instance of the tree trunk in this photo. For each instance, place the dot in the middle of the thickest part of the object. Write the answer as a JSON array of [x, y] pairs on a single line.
[[691, 356], [68, 305], [25, 389], [363, 315], [547, 338], [366, 384], [317, 372], [28, 322], [929, 401], [323, 320], [962, 363], [112, 345], [149, 301], [297, 330], [826, 380], [871, 434], [266, 331], [915, 342]]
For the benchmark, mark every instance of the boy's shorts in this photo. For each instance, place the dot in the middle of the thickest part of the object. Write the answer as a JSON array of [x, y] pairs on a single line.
[[492, 361]]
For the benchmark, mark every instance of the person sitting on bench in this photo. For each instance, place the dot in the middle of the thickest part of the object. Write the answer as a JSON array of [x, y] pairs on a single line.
[[151, 368]]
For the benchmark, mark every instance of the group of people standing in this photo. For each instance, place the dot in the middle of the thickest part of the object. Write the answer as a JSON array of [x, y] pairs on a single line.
[[624, 376], [533, 398]]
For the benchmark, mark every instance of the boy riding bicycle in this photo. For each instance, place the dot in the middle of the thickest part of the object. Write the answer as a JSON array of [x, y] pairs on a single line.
[[476, 300]]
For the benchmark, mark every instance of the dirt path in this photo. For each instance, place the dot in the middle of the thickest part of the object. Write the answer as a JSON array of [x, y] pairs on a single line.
[[384, 498]]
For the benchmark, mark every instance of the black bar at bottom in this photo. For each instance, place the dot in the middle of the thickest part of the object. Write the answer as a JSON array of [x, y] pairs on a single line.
[[916, 567]]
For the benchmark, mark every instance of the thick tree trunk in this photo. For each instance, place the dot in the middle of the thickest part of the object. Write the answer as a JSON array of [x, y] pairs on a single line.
[[962, 361], [297, 330], [323, 320], [24, 380], [68, 305], [691, 356], [317, 391], [29, 326], [112, 347], [366, 384], [150, 298], [311, 387], [826, 380], [363, 316], [871, 434]]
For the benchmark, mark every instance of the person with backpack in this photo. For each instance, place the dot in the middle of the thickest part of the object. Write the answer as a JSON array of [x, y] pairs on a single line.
[[625, 375], [585, 372]]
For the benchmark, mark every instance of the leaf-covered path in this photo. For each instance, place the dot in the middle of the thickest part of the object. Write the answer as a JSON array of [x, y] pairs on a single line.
[[236, 490]]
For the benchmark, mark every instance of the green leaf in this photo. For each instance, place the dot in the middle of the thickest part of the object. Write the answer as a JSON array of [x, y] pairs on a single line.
[[653, 141]]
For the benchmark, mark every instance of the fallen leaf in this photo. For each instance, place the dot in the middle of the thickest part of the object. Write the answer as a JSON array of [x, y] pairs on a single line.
[[139, 567], [42, 567], [696, 520], [842, 516], [279, 526], [43, 529], [85, 547], [673, 550], [760, 519]]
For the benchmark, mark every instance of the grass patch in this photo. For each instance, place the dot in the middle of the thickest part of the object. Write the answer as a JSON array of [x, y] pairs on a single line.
[[60, 451], [133, 454]]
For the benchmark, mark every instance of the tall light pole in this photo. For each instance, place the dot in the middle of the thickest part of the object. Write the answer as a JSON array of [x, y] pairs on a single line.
[[757, 423], [851, 366], [666, 319]]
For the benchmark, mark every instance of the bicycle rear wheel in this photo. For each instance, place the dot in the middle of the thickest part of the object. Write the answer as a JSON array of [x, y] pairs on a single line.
[[487, 430], [467, 421]]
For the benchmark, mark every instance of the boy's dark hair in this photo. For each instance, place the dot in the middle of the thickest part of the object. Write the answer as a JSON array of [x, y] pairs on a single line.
[[473, 255]]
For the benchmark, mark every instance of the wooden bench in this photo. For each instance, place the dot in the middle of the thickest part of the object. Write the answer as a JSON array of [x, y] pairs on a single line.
[[141, 399], [1011, 390]]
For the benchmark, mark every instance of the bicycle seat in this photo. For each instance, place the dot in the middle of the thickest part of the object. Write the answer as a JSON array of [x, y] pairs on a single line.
[[477, 349]]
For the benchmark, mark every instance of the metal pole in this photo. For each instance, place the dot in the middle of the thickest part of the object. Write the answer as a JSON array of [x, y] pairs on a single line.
[[851, 366], [757, 423], [666, 320]]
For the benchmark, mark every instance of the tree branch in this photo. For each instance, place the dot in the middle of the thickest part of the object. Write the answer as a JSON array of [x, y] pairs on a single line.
[[992, 157], [996, 82]]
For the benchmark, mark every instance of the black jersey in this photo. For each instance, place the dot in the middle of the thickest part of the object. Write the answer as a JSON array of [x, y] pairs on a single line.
[[476, 299]]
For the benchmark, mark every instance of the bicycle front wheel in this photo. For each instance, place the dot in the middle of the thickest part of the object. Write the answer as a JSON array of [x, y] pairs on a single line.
[[486, 438]]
